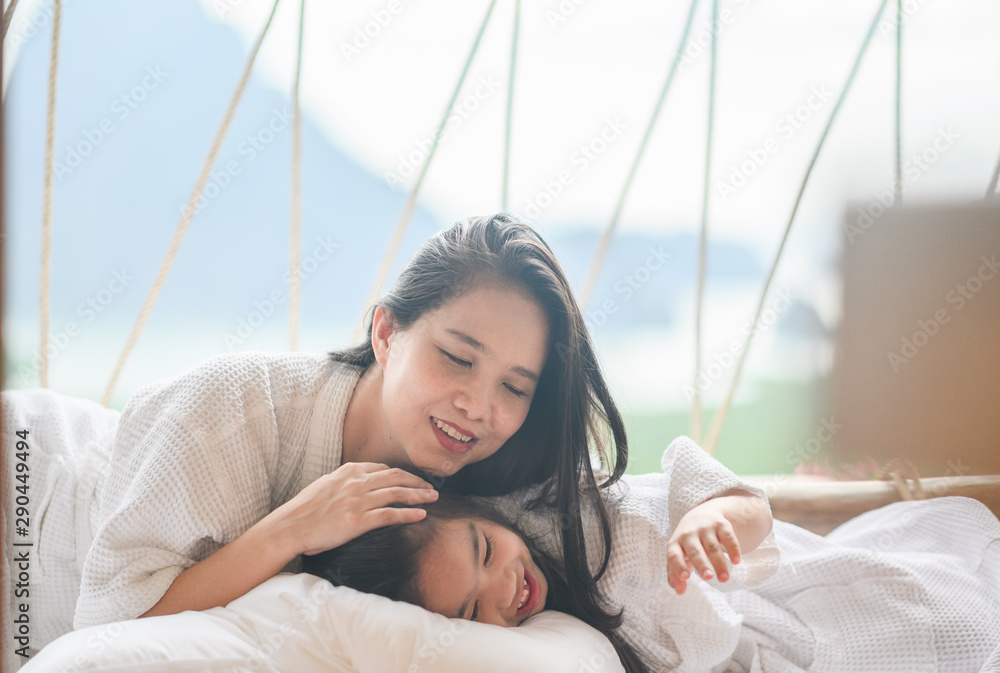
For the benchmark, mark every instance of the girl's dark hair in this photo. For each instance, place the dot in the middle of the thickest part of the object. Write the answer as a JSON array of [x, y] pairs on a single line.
[[386, 561], [572, 411]]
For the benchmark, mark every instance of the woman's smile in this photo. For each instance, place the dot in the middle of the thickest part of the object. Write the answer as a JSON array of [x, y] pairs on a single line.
[[458, 382], [452, 438]]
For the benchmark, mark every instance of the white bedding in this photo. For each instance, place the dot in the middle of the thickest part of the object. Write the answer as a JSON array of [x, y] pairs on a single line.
[[302, 624], [913, 587]]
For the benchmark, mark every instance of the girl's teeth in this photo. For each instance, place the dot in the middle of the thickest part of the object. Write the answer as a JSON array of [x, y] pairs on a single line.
[[525, 592], [451, 432]]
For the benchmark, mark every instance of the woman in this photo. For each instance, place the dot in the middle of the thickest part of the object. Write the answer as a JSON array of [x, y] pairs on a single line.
[[477, 372]]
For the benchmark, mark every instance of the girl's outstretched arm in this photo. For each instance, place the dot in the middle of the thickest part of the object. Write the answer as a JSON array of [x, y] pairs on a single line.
[[733, 522]]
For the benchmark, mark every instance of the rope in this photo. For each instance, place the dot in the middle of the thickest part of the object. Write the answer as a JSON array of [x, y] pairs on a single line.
[[720, 416], [50, 137], [992, 189], [294, 284], [605, 242], [510, 102], [7, 16], [703, 236], [168, 260], [899, 102], [411, 202]]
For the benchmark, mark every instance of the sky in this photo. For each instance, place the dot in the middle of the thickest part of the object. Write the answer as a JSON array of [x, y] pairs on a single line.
[[584, 65]]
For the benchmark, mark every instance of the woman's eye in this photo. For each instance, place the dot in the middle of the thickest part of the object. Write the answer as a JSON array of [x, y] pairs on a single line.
[[475, 612], [519, 393], [458, 361]]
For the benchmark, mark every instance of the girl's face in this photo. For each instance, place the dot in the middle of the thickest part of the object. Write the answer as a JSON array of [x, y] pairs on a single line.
[[459, 381], [476, 569]]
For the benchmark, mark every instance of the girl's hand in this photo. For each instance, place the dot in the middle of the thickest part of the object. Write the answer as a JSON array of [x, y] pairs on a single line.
[[352, 500], [732, 522], [698, 543]]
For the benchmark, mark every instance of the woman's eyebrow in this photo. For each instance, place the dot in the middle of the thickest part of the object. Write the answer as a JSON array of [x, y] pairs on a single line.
[[465, 338], [475, 564]]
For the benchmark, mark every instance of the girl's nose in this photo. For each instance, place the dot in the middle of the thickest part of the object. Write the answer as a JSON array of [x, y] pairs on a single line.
[[507, 591]]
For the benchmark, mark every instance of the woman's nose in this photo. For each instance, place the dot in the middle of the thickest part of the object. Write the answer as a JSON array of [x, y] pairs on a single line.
[[475, 400]]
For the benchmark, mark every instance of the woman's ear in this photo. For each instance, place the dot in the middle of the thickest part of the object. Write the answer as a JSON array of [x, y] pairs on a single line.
[[382, 330]]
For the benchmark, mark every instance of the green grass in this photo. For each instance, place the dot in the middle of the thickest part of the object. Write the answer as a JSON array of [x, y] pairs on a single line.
[[758, 437]]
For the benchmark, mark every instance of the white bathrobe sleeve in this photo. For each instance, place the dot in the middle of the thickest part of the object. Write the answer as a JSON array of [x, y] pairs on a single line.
[[657, 500], [644, 510], [196, 461]]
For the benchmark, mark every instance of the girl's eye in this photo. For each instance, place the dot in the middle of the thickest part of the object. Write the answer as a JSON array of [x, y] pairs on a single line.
[[458, 361], [489, 553], [489, 549]]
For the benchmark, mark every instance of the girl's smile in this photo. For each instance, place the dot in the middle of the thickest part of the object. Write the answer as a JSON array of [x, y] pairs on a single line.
[[477, 569]]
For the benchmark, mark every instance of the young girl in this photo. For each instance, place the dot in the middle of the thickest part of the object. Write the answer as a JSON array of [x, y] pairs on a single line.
[[493, 561], [466, 560], [913, 586]]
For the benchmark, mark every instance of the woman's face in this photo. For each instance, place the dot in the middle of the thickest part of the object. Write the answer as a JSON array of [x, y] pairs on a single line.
[[459, 381], [476, 569]]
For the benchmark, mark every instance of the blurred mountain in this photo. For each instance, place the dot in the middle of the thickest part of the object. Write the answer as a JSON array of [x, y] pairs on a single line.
[[142, 90]]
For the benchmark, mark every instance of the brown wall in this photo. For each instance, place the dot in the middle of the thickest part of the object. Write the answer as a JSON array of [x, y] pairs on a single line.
[[917, 369]]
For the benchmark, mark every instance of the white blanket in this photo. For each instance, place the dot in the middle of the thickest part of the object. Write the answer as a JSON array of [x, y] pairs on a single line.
[[910, 587]]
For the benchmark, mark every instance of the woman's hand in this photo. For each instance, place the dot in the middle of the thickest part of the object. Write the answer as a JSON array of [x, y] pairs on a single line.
[[723, 525], [332, 510], [352, 500]]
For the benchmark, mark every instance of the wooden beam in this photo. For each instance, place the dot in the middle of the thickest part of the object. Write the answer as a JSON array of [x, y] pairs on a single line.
[[821, 506]]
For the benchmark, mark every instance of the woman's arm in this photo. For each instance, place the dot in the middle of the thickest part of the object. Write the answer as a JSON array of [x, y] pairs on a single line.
[[229, 573], [196, 463], [733, 522], [336, 508]]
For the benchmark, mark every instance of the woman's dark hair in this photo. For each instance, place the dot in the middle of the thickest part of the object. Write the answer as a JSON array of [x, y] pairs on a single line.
[[572, 411], [386, 561]]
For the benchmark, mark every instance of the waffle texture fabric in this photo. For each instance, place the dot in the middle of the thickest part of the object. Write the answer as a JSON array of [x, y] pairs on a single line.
[[200, 458], [692, 632], [53, 470], [912, 587]]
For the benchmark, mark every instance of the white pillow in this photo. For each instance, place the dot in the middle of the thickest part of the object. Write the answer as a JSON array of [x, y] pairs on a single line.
[[303, 624]]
